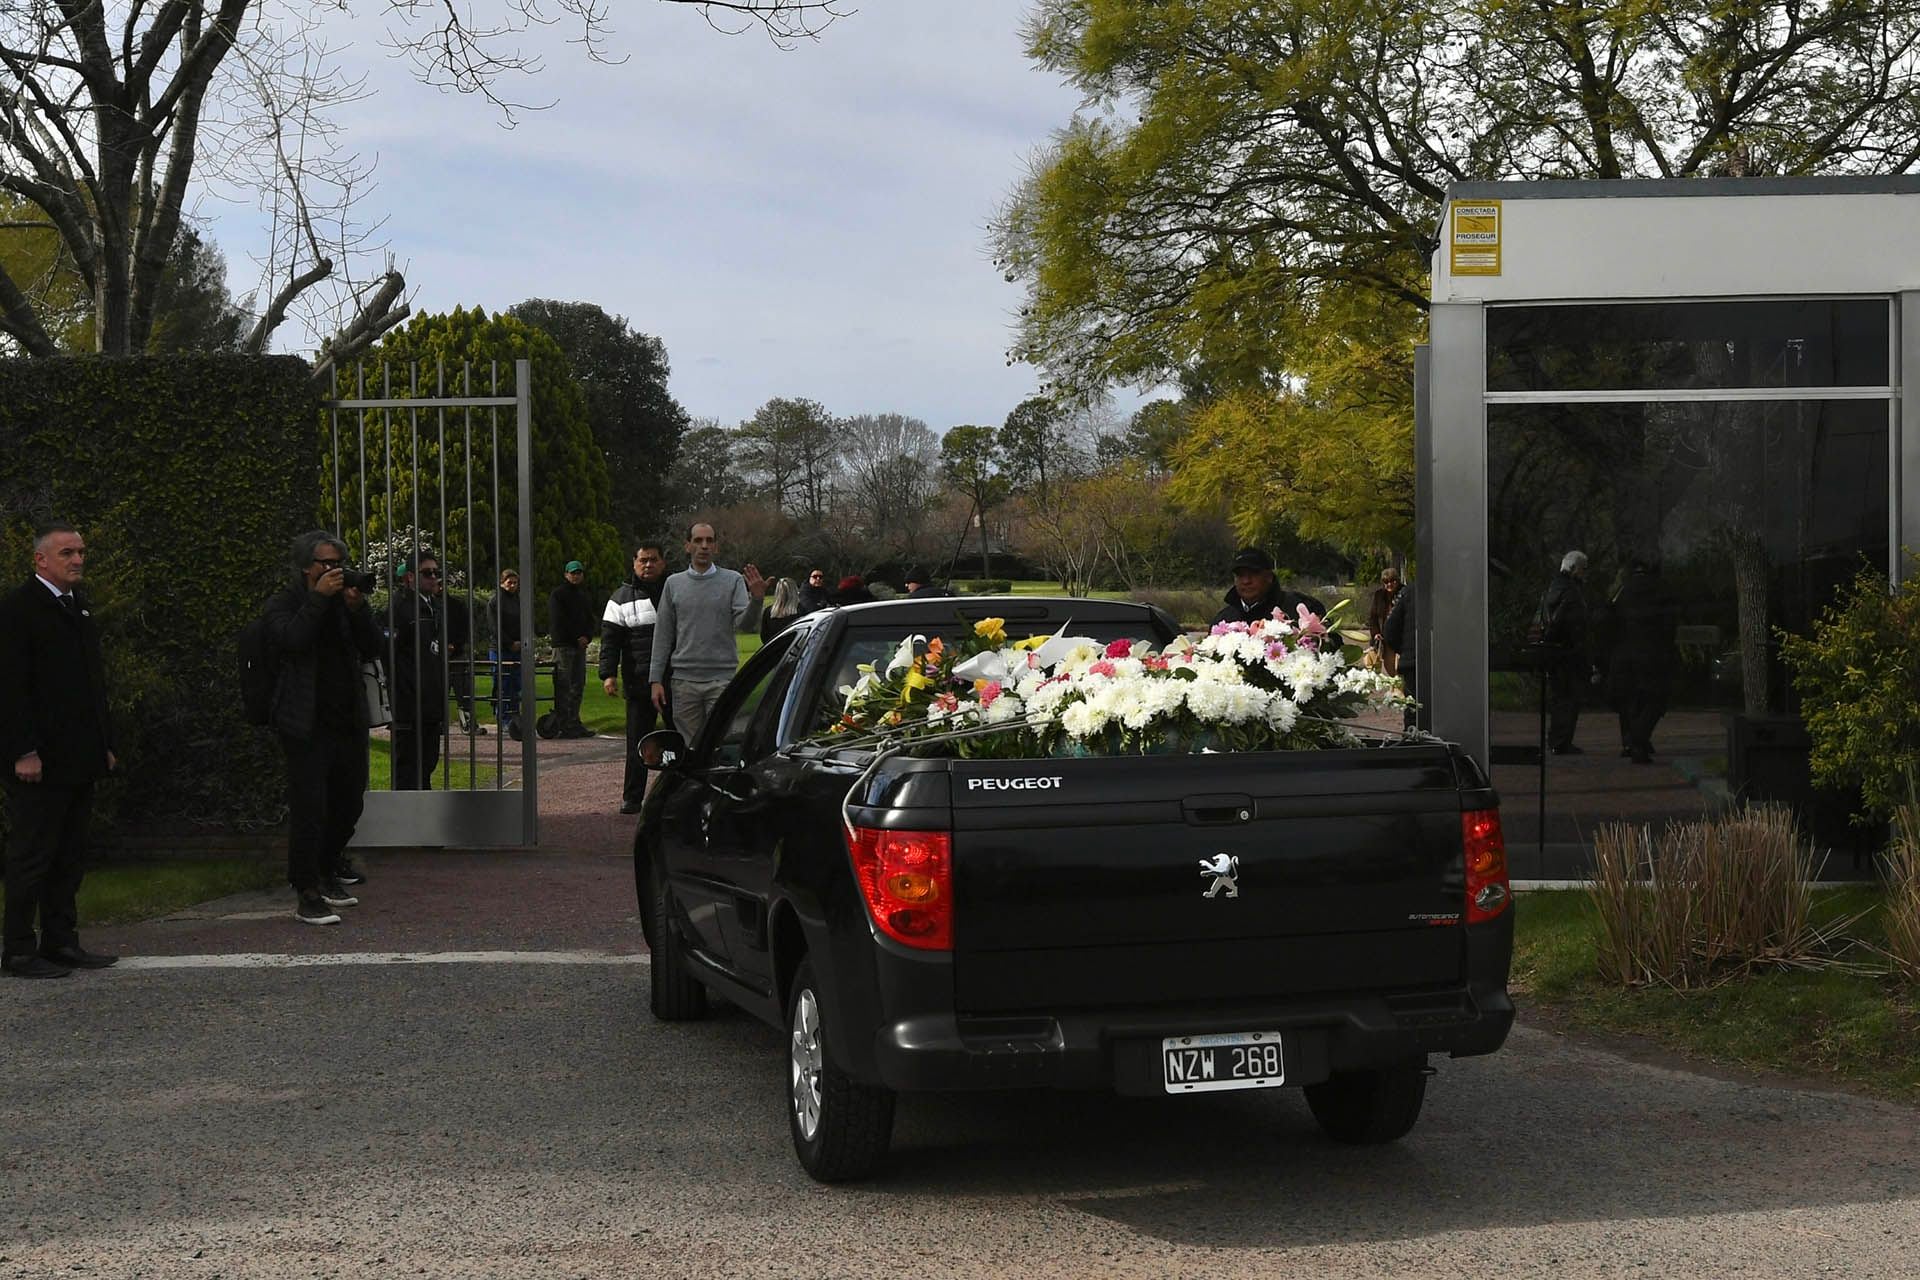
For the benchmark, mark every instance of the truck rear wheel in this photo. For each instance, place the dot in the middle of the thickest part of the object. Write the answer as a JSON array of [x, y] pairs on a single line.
[[674, 994], [841, 1127], [1366, 1107]]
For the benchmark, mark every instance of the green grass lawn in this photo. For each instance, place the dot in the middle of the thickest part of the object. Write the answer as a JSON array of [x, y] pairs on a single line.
[[132, 891], [599, 711], [1859, 1028]]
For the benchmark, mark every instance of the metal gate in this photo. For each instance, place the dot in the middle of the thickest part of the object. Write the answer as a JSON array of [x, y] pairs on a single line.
[[390, 453]]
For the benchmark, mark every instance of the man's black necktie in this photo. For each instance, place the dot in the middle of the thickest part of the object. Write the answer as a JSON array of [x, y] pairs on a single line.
[[71, 605]]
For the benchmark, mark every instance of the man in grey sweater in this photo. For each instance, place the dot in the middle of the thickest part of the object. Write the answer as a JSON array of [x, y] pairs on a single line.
[[700, 609]]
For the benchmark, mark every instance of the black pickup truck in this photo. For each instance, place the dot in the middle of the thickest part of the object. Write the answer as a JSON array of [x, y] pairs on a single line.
[[1150, 924]]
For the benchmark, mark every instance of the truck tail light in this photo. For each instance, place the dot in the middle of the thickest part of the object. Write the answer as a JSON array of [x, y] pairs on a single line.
[[1486, 850], [907, 880]]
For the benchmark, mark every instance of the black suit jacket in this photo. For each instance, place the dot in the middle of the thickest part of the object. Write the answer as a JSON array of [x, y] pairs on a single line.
[[53, 691]]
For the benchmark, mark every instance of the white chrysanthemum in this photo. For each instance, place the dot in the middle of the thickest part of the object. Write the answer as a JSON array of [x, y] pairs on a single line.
[[1283, 714], [1004, 708], [1046, 699]]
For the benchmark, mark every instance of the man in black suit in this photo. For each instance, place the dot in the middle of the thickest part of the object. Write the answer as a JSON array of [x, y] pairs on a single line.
[[55, 734]]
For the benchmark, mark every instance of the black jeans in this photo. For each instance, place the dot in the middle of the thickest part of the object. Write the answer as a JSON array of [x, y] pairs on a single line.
[[46, 856], [416, 754], [641, 717], [326, 790]]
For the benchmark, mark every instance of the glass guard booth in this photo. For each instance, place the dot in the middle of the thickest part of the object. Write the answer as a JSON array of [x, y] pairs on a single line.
[[1700, 387]]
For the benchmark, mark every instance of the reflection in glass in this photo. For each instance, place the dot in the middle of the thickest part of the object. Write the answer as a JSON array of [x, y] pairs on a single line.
[[1652, 346], [1751, 515]]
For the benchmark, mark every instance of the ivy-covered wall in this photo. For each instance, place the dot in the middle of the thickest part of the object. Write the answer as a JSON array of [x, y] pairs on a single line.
[[188, 476]]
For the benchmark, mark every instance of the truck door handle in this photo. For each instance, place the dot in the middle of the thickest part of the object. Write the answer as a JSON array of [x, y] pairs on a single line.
[[1217, 811]]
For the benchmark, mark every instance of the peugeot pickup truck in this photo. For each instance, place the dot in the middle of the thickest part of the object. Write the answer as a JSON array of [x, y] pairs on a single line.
[[1327, 920]]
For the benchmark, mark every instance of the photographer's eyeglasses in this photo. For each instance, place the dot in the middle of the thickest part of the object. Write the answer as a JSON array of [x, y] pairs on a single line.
[[329, 565], [429, 573]]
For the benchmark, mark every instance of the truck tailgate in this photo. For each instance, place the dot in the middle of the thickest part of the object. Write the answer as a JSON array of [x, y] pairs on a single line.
[[1136, 880]]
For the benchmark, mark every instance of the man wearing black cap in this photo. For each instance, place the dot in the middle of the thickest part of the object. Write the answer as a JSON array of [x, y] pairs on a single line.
[[921, 586], [570, 626], [1256, 593]]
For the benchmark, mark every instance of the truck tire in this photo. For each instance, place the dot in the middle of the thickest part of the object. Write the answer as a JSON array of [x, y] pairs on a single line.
[[841, 1127], [674, 994], [1367, 1107]]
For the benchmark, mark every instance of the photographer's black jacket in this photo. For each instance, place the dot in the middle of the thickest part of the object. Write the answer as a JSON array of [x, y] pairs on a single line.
[[307, 629]]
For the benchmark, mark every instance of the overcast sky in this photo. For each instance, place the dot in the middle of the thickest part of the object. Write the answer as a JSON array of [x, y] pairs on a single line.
[[809, 222]]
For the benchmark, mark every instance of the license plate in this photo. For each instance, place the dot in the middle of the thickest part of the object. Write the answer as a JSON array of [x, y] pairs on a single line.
[[1233, 1060]]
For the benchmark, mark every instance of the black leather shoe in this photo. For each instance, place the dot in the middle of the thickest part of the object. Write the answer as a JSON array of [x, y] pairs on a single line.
[[78, 957], [630, 806], [34, 967]]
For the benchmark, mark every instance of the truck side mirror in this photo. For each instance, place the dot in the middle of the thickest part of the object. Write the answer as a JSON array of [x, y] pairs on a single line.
[[663, 749]]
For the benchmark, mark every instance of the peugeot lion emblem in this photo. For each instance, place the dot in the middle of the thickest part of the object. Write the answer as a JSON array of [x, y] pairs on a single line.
[[1225, 870]]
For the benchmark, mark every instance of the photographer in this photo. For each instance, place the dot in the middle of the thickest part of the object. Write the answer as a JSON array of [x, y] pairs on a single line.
[[319, 629]]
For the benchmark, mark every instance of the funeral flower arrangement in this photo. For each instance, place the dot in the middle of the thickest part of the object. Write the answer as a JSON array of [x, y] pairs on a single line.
[[1277, 684]]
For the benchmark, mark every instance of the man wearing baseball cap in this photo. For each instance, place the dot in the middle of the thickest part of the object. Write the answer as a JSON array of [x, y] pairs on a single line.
[[1256, 593], [570, 623]]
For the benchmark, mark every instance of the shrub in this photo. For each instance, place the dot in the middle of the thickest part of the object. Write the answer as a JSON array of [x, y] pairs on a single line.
[[188, 476], [1858, 678], [1903, 891], [1707, 901]]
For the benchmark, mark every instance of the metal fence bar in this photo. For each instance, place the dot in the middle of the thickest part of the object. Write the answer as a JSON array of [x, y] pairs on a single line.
[[391, 402], [523, 435], [392, 584], [500, 714]]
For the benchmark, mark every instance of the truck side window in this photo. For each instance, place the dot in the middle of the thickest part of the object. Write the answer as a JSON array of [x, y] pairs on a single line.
[[731, 750]]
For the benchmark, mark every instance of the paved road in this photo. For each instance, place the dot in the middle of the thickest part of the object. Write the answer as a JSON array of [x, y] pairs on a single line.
[[338, 1112], [517, 1119]]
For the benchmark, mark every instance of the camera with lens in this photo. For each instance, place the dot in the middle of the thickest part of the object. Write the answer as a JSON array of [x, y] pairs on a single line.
[[358, 579]]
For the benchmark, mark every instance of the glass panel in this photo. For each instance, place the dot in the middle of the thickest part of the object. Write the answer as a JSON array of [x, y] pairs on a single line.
[[1747, 517], [1673, 345]]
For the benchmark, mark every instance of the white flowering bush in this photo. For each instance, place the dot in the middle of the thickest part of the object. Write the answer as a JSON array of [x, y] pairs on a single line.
[[1279, 684]]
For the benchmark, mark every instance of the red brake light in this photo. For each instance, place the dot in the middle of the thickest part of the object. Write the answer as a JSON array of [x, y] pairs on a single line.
[[1486, 851], [906, 878]]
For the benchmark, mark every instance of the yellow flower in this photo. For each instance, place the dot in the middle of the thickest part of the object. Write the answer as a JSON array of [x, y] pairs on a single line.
[[914, 680], [1031, 642], [992, 630]]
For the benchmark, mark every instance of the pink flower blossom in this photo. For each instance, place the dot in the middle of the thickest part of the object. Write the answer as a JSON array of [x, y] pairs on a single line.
[[1276, 650], [1311, 628], [991, 691], [1122, 648], [1228, 629], [946, 702], [1101, 668], [1155, 663]]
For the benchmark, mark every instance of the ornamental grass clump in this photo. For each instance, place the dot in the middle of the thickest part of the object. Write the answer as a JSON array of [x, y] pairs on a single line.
[[1276, 684], [1903, 892], [1706, 901]]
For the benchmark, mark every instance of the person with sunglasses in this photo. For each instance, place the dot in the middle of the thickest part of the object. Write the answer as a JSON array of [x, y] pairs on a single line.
[[320, 630], [418, 629]]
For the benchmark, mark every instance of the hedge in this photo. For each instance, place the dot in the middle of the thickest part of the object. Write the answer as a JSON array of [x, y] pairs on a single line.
[[188, 476]]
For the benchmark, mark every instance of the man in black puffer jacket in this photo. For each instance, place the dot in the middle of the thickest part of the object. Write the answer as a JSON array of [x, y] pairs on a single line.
[[1256, 593], [626, 648], [319, 630]]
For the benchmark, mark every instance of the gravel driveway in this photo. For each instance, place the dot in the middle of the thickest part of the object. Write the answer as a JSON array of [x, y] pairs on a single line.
[[470, 1086]]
